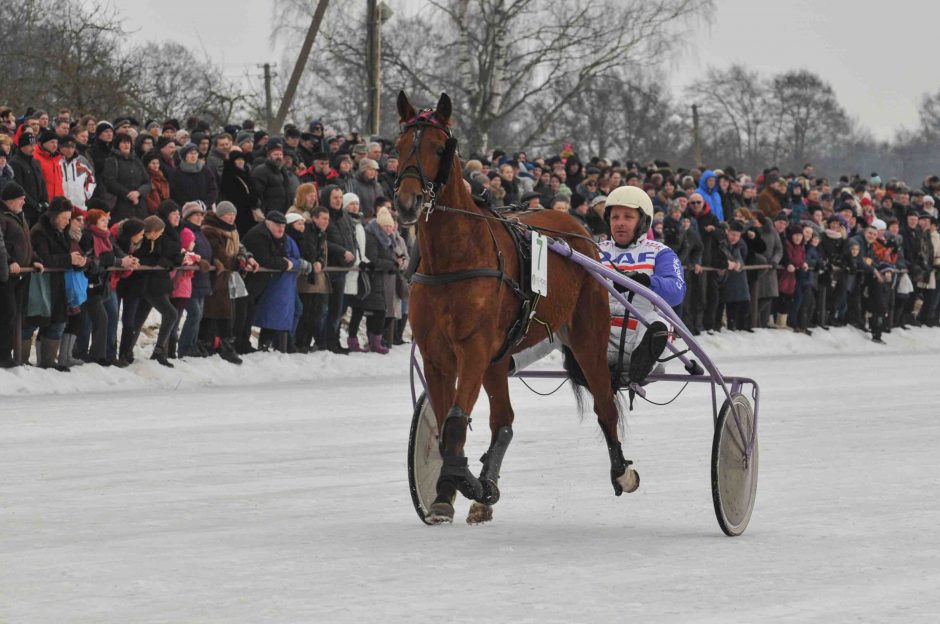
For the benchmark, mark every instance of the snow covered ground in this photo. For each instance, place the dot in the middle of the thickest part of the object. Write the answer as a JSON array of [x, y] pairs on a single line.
[[277, 492]]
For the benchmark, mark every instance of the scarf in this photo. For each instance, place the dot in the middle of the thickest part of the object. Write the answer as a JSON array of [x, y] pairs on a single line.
[[195, 167], [101, 239], [384, 239]]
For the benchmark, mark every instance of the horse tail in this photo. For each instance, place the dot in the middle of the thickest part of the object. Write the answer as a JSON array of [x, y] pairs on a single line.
[[579, 383]]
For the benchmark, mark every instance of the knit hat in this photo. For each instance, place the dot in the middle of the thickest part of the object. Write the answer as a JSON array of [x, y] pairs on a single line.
[[102, 126], [190, 208], [879, 225], [274, 144], [186, 149], [153, 223], [225, 207], [132, 227], [368, 163], [187, 237], [152, 155], [293, 217], [47, 135], [243, 137], [349, 198], [25, 139], [12, 190], [384, 217], [782, 216]]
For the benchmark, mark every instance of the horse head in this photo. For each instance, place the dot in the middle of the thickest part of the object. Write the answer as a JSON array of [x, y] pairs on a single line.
[[426, 151]]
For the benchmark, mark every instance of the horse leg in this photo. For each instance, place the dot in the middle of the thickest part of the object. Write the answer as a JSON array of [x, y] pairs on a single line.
[[496, 384], [590, 350], [455, 474]]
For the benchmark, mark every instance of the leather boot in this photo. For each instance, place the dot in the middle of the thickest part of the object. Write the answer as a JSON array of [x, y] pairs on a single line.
[[171, 347], [159, 354], [227, 351], [375, 344], [388, 333], [400, 330], [126, 349]]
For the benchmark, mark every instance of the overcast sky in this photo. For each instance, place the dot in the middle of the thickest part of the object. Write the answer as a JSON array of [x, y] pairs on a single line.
[[879, 57]]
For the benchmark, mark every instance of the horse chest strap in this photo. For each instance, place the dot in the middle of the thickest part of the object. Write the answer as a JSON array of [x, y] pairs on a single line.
[[456, 276]]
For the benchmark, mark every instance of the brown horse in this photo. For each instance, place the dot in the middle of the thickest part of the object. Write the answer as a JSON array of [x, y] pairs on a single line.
[[464, 304]]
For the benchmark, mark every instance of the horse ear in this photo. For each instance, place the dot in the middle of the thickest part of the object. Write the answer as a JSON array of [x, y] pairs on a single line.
[[406, 112], [443, 108]]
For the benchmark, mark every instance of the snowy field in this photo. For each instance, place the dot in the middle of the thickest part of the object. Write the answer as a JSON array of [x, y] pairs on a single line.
[[277, 492]]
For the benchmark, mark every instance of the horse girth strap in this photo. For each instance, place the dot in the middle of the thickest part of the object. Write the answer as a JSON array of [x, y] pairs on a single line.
[[458, 276]]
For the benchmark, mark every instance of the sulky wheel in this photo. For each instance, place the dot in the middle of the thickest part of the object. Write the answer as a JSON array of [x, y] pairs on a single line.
[[734, 475], [424, 458]]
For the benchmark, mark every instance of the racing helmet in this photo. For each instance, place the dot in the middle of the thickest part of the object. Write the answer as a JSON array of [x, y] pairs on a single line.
[[631, 197]]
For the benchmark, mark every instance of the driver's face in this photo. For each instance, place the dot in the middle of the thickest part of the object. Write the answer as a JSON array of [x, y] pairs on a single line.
[[623, 222]]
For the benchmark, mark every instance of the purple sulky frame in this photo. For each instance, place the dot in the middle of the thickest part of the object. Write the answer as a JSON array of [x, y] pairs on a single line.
[[711, 375]]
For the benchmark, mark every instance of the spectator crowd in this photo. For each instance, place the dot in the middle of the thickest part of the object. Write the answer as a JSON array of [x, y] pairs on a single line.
[[225, 231]]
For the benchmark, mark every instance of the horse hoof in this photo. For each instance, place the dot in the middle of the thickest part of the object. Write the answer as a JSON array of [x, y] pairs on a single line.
[[479, 513], [440, 513], [629, 481]]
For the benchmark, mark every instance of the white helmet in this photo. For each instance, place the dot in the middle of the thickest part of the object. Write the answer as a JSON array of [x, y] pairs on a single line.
[[631, 197]]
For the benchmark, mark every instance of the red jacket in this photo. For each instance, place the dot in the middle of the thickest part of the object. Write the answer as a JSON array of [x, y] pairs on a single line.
[[51, 171]]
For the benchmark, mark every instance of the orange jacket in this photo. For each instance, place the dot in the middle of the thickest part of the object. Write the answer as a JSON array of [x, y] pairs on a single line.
[[51, 171]]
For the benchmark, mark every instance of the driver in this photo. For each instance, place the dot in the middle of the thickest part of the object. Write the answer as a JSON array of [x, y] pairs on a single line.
[[629, 212]]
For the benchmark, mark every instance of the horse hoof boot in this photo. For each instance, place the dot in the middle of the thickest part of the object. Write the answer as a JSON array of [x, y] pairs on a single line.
[[629, 481], [440, 513], [479, 513]]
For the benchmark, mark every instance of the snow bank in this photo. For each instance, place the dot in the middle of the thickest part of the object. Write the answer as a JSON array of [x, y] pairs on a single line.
[[725, 348]]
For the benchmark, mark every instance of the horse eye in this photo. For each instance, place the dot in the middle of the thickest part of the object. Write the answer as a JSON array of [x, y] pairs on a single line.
[[440, 151]]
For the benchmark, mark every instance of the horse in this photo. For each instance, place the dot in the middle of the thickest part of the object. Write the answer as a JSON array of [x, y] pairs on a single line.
[[465, 300]]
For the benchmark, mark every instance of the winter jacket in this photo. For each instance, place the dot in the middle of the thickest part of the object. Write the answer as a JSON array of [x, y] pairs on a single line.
[[770, 202], [28, 174], [123, 174], [715, 243], [767, 285], [792, 254], [367, 190], [237, 187], [164, 253], [380, 252], [269, 181], [275, 308], [78, 180], [16, 237], [227, 250], [202, 281], [100, 284], [269, 252], [313, 248], [159, 190], [54, 251], [51, 166], [340, 238], [4, 261], [98, 153], [734, 287], [193, 182], [712, 197]]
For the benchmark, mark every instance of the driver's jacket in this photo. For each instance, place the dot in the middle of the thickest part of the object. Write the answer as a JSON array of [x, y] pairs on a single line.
[[666, 279]]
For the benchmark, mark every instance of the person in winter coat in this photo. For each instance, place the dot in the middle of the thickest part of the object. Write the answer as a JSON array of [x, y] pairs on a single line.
[[715, 255], [159, 185], [735, 292], [366, 186], [194, 214], [312, 288], [794, 266], [832, 283], [78, 176], [52, 246], [765, 289], [101, 149], [773, 199], [20, 254], [270, 181], [108, 254], [126, 181], [708, 189], [226, 307], [272, 249], [192, 180], [341, 254], [28, 175], [182, 284], [150, 289], [357, 284], [46, 153], [6, 171], [237, 187], [380, 251]]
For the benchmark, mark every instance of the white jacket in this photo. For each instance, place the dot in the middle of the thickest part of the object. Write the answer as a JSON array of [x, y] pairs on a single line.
[[78, 180]]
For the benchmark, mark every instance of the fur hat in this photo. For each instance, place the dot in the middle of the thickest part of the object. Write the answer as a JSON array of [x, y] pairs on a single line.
[[368, 163], [190, 208], [153, 223]]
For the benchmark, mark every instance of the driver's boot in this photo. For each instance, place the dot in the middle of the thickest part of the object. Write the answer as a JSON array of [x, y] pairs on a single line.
[[645, 355]]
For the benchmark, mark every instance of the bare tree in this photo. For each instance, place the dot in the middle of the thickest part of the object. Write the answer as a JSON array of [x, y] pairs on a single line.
[[810, 116]]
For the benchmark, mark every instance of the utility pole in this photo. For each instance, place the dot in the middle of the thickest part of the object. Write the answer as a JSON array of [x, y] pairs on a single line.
[[373, 64], [268, 116], [696, 141], [275, 126]]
